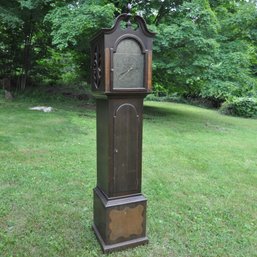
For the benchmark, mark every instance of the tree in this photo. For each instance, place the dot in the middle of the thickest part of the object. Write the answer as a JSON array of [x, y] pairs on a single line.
[[185, 46], [87, 17], [203, 48], [21, 28], [233, 72]]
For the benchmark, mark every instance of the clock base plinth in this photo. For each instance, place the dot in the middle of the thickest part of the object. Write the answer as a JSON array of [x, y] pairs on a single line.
[[119, 246], [121, 222]]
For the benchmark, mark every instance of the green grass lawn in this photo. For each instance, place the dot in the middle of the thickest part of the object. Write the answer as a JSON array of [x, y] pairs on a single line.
[[199, 175]]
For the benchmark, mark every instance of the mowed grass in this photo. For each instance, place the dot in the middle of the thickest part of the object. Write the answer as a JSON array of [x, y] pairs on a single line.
[[199, 176]]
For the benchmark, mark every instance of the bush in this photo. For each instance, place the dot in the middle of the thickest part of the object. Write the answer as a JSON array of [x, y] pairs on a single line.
[[168, 98], [159, 90], [241, 106]]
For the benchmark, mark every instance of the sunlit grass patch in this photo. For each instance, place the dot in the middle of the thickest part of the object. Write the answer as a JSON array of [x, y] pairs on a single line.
[[199, 175]]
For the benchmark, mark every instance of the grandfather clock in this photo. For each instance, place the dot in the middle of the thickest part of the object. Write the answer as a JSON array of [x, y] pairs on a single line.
[[121, 78]]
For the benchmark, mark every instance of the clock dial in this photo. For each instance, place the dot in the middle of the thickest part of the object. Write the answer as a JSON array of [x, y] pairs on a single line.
[[128, 65]]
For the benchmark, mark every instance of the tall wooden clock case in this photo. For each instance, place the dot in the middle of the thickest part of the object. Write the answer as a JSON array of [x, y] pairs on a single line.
[[121, 78]]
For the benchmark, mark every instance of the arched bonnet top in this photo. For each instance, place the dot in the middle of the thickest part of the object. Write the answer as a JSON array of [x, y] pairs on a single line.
[[128, 18], [116, 31]]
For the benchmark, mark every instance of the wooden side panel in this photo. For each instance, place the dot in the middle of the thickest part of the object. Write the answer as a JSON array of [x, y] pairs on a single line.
[[107, 69], [100, 218], [149, 71], [126, 222], [102, 144], [126, 147]]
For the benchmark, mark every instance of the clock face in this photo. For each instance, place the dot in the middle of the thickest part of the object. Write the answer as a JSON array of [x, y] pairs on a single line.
[[128, 65]]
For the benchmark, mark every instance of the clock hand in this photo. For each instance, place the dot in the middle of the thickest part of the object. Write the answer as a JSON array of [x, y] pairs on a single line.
[[125, 72]]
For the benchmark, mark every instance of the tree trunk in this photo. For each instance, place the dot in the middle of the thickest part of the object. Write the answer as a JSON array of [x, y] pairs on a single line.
[[27, 55]]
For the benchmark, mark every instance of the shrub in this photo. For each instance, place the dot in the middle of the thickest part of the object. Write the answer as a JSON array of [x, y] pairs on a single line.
[[240, 106], [159, 90], [167, 98]]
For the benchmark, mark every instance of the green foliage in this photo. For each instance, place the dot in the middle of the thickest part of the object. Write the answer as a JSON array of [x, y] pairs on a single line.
[[57, 68], [241, 106], [166, 98], [159, 90], [21, 29], [77, 22], [184, 47], [207, 50], [73, 25], [232, 74], [202, 48]]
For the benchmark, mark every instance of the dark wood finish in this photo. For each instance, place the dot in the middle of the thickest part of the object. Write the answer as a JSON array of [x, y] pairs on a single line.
[[119, 145], [121, 78], [118, 223], [103, 144], [149, 71], [126, 136], [106, 248], [107, 69], [105, 43]]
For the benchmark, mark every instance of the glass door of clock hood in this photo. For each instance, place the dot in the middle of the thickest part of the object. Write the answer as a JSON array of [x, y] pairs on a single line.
[[128, 65]]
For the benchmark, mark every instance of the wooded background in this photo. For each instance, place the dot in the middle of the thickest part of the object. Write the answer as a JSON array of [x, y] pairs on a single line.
[[202, 48]]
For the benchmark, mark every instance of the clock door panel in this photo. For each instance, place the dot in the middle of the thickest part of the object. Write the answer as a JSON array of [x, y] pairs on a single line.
[[128, 65], [126, 140]]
